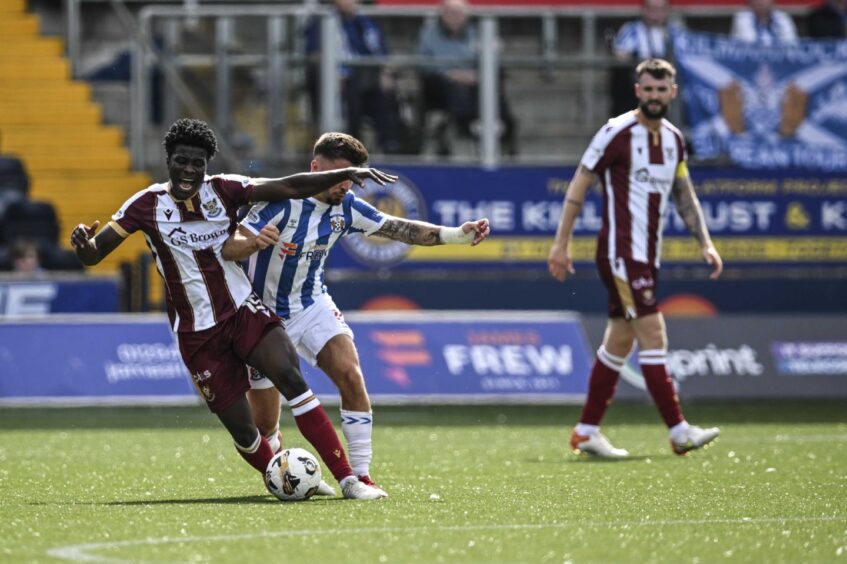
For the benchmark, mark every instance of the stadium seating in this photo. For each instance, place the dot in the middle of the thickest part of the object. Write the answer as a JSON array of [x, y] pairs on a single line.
[[14, 183], [49, 121], [33, 221]]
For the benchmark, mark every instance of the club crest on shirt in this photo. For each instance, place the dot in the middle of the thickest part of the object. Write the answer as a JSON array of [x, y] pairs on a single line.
[[669, 153], [212, 208], [337, 223]]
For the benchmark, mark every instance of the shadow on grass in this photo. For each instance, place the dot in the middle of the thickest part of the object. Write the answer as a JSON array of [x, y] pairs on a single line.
[[722, 413], [237, 500], [598, 460]]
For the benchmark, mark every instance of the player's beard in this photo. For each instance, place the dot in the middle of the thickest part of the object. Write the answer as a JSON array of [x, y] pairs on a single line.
[[649, 111]]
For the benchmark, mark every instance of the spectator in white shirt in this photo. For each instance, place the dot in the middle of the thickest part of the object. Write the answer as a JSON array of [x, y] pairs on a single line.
[[764, 25]]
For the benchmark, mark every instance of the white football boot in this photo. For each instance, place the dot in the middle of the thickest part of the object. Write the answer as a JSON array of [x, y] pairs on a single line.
[[596, 444], [352, 488], [693, 438], [325, 489]]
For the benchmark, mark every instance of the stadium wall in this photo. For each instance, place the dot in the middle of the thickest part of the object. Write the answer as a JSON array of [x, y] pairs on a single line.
[[435, 357]]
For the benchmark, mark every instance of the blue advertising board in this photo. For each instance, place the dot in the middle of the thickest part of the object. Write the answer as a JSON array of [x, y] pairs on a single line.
[[766, 108], [38, 296], [468, 356], [107, 359], [459, 356], [754, 218]]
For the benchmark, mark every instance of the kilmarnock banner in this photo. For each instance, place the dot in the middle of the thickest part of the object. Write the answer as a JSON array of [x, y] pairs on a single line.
[[755, 218], [768, 108]]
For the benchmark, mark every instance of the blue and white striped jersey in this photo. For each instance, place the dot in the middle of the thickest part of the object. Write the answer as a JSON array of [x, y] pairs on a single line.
[[290, 275]]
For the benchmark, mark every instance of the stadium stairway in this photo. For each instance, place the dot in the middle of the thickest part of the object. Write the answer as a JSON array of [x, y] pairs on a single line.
[[50, 122]]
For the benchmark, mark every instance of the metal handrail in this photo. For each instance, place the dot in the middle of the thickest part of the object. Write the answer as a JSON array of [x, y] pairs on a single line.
[[489, 62]]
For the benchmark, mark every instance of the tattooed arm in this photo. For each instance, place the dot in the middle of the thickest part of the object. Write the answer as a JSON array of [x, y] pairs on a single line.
[[427, 235], [689, 209]]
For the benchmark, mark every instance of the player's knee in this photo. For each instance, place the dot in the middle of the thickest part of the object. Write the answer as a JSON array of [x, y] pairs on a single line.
[[267, 424], [351, 386], [290, 383]]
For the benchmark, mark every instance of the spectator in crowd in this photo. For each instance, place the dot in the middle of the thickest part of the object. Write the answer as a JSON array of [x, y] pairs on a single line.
[[365, 90], [26, 259], [451, 84], [829, 20], [762, 24], [646, 37], [637, 40]]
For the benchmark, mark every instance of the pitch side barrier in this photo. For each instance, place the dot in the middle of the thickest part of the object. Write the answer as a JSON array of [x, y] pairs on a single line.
[[434, 357]]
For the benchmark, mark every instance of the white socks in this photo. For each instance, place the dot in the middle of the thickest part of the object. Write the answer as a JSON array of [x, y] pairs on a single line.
[[305, 402], [678, 430], [274, 439], [586, 430], [357, 427]]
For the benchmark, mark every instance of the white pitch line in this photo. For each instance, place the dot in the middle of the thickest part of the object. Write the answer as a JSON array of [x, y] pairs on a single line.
[[81, 552], [787, 439]]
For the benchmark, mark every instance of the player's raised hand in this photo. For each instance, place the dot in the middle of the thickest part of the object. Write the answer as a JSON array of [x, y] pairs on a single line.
[[83, 233], [479, 228], [360, 174], [268, 236], [559, 262], [711, 256]]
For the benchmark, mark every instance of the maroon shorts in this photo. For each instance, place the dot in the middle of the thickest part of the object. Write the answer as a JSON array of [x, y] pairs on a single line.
[[631, 286], [216, 357]]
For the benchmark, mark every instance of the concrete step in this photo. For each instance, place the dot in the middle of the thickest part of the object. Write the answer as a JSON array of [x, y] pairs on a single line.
[[47, 136], [31, 46], [38, 164], [20, 115], [27, 58], [9, 7], [127, 183], [45, 90], [16, 24], [53, 69]]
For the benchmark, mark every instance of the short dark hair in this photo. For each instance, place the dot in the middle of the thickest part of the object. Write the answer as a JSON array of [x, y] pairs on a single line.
[[335, 145], [191, 132], [657, 68]]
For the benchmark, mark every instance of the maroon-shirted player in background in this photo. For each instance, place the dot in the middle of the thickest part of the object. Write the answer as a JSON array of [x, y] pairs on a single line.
[[221, 326], [639, 160]]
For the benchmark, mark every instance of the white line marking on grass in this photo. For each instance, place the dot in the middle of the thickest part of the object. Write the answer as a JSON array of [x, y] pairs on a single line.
[[82, 552], [781, 438]]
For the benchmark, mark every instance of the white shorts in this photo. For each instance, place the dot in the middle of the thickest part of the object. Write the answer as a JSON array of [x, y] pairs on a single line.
[[310, 330]]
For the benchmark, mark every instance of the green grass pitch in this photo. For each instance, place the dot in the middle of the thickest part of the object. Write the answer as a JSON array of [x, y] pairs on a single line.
[[467, 484]]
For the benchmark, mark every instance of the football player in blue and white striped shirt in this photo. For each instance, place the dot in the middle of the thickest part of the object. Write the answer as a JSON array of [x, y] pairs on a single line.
[[293, 238]]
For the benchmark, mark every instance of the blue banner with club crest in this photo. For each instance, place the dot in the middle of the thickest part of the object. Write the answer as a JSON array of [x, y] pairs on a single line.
[[765, 107]]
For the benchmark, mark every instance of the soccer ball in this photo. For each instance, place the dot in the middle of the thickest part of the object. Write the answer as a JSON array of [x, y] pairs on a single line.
[[293, 474]]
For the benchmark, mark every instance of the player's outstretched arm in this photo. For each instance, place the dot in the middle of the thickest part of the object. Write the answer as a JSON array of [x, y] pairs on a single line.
[[427, 235], [559, 261], [688, 206], [91, 248], [244, 243], [305, 184]]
